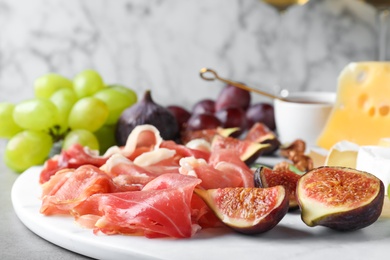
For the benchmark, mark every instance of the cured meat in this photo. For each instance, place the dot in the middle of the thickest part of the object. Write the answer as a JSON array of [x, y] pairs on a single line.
[[71, 187], [129, 176], [74, 157], [211, 177], [155, 157], [144, 188], [227, 160], [56, 182], [203, 215], [50, 168], [143, 138], [162, 208], [199, 144], [183, 151]]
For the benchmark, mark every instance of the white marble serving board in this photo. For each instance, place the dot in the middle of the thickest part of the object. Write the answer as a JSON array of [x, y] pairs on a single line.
[[290, 239]]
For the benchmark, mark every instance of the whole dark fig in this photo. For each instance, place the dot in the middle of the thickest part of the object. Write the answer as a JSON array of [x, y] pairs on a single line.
[[144, 112]]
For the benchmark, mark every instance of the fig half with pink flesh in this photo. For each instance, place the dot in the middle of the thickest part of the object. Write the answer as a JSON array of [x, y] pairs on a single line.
[[247, 210], [260, 133], [249, 151], [340, 198], [265, 177]]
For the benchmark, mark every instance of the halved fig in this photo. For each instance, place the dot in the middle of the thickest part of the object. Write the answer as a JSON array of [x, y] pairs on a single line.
[[265, 177], [247, 210], [260, 133], [248, 151], [340, 198]]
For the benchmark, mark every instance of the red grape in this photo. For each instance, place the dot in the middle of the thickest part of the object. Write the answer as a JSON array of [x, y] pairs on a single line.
[[181, 114], [231, 96], [233, 117], [261, 112], [203, 121], [204, 106]]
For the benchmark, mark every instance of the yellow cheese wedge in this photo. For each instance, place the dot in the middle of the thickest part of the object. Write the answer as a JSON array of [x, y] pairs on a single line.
[[343, 153], [361, 113], [384, 142]]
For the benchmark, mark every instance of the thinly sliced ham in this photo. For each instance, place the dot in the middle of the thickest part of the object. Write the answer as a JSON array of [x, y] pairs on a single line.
[[74, 157], [144, 188], [227, 160], [162, 208], [183, 151], [141, 136], [203, 215], [211, 177], [200, 145], [129, 176], [71, 187], [142, 139], [56, 182], [154, 157]]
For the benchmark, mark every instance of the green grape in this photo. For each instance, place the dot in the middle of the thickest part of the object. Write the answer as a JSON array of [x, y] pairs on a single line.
[[81, 136], [88, 113], [117, 98], [46, 85], [388, 191], [87, 83], [64, 99], [26, 149], [36, 114], [106, 137], [8, 127]]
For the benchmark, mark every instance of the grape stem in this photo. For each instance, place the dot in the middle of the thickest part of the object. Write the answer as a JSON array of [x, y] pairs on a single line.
[[56, 134]]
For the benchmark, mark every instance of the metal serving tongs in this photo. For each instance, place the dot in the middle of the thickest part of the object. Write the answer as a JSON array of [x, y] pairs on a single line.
[[213, 76]]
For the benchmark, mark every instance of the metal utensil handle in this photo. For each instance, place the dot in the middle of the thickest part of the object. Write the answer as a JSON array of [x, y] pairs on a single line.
[[215, 76]]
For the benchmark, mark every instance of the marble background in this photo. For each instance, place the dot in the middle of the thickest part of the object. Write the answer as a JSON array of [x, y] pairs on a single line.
[[162, 44]]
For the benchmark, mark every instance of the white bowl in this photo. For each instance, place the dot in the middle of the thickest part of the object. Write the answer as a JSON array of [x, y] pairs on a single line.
[[304, 117]]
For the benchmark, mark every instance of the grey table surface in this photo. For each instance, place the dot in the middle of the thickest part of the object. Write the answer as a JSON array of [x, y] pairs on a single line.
[[16, 240]]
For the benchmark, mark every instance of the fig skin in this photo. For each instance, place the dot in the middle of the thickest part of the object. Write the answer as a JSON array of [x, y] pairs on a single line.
[[348, 219], [286, 178], [245, 226], [146, 112], [261, 133], [249, 151]]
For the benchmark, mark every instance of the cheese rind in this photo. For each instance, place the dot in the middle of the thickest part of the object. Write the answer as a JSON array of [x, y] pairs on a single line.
[[375, 160], [343, 153], [361, 113]]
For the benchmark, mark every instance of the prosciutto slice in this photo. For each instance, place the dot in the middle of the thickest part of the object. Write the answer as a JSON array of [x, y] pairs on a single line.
[[141, 136], [183, 151], [69, 187], [74, 157], [228, 160], [129, 176], [142, 139], [211, 177], [162, 208], [144, 188]]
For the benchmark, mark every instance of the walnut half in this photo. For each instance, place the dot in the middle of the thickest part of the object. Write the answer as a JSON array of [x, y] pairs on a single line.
[[295, 152]]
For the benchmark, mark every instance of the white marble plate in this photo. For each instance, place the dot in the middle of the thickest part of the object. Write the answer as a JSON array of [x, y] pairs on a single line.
[[290, 239]]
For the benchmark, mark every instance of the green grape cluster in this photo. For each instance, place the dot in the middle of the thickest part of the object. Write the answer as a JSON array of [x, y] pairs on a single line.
[[63, 111]]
